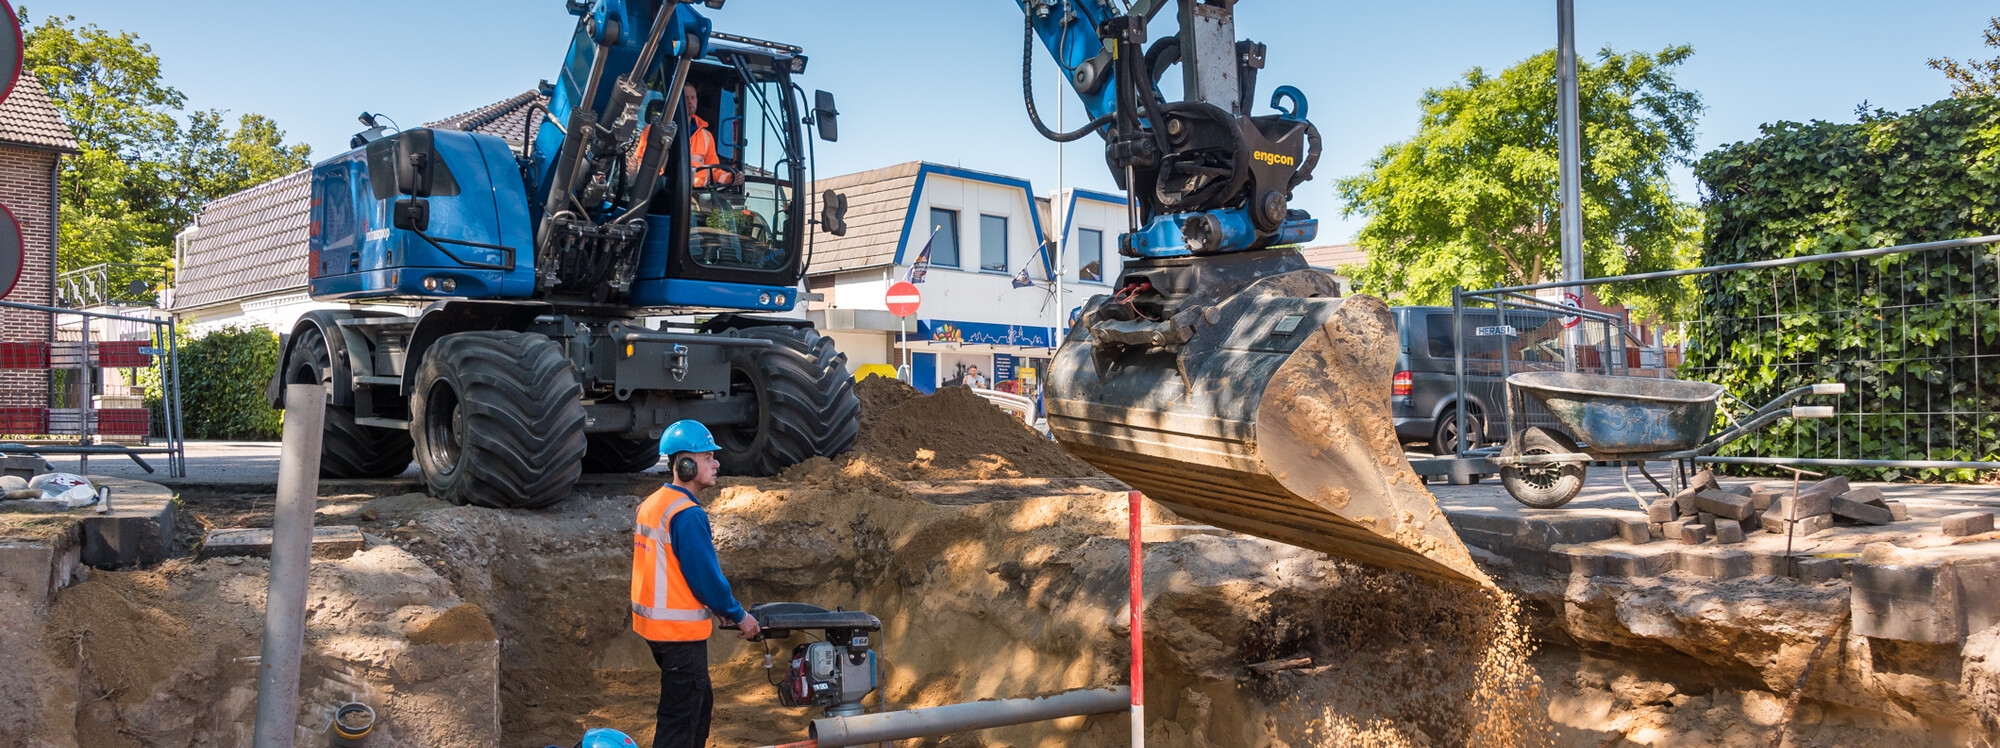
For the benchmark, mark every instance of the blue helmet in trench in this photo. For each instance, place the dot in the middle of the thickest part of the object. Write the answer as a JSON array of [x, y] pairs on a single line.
[[687, 436], [604, 737]]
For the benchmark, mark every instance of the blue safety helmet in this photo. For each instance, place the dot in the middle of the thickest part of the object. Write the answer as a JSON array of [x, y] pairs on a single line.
[[605, 737], [687, 436]]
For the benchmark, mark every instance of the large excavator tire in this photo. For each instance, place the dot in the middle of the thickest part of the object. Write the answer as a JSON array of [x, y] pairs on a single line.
[[616, 453], [347, 449], [1271, 419], [806, 405], [497, 418]]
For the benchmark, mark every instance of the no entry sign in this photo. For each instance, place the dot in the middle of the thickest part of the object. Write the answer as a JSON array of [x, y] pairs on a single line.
[[903, 299]]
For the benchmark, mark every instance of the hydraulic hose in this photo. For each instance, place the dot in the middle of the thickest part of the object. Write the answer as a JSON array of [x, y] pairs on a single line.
[[1028, 90], [1305, 171]]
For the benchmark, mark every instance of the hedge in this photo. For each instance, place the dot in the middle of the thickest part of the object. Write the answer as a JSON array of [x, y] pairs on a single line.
[[1913, 336], [224, 374]]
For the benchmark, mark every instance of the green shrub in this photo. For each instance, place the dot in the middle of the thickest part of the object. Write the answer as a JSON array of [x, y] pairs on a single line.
[[223, 379], [1903, 332]]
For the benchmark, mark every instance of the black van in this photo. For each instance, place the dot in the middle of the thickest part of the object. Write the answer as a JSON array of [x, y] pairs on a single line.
[[1423, 397]]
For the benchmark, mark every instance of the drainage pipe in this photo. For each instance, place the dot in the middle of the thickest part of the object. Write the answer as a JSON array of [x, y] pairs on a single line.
[[840, 732], [291, 561]]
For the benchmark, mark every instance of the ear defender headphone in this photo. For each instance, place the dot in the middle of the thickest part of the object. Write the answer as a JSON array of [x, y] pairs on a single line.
[[685, 468]]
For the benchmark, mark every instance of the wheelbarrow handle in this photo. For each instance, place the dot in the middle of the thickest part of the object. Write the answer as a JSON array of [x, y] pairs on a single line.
[[1831, 388], [1812, 411]]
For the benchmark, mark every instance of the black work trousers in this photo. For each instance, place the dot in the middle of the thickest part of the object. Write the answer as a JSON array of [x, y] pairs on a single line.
[[685, 697]]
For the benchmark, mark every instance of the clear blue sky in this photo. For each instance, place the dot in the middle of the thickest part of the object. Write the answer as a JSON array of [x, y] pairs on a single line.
[[940, 80]]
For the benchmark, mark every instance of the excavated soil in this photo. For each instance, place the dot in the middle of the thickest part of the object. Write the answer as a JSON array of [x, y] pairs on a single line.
[[998, 566]]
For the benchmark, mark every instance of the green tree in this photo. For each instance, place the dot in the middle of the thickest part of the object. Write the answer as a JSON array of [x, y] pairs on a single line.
[[146, 167], [1974, 77], [1472, 199]]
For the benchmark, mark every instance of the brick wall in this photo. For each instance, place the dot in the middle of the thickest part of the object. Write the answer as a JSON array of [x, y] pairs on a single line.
[[25, 180]]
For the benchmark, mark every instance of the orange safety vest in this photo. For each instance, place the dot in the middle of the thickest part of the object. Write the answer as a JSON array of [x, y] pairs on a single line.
[[701, 151], [663, 607]]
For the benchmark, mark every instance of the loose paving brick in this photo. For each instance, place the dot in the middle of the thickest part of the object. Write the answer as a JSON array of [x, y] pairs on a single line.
[[1968, 523], [1897, 510], [1728, 532], [1634, 531], [1723, 504], [1662, 510], [1867, 495], [1705, 519], [1694, 534], [1860, 512], [1805, 504], [1828, 488]]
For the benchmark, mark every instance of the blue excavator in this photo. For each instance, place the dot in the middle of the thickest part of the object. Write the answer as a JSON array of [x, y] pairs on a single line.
[[1223, 376]]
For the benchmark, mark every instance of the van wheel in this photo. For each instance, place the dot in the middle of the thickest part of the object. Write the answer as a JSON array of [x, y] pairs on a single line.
[[1444, 434]]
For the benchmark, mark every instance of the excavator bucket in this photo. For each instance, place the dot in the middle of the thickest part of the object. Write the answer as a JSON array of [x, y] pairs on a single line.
[[1269, 417]]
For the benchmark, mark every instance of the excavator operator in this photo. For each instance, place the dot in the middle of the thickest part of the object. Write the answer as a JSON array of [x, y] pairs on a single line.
[[707, 165]]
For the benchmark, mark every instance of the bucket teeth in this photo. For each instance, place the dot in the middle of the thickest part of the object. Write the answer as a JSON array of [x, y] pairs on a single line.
[[1272, 421]]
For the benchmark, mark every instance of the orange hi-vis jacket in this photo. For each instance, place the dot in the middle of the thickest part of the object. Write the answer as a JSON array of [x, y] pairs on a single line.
[[664, 609]]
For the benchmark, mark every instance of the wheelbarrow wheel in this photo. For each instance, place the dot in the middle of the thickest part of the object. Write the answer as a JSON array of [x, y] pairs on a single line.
[[1544, 486]]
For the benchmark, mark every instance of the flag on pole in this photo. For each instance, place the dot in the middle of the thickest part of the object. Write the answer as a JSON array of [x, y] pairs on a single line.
[[1022, 280], [922, 266]]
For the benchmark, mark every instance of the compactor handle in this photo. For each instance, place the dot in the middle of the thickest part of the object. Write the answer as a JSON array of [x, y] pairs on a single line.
[[1812, 411], [1835, 388]]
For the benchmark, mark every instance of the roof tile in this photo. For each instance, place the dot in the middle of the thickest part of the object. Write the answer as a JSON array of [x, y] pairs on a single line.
[[28, 118]]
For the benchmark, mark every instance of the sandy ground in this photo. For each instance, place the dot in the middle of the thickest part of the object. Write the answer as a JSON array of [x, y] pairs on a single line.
[[998, 566]]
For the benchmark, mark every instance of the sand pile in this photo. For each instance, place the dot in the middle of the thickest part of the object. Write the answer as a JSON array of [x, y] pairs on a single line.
[[950, 435], [166, 657]]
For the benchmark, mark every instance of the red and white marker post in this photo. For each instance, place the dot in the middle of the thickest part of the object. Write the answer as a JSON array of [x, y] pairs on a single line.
[[1138, 564], [903, 300]]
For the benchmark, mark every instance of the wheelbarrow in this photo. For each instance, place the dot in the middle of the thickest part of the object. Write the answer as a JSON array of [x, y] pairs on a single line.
[[1625, 420]]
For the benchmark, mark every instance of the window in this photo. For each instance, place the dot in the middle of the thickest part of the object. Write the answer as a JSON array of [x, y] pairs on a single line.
[[1536, 338], [1090, 255], [943, 237], [742, 209], [993, 243]]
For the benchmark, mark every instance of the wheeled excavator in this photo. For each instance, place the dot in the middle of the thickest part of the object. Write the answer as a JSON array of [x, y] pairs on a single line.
[[1223, 376]]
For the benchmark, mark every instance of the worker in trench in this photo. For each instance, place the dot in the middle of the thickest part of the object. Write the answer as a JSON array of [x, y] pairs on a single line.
[[677, 586]]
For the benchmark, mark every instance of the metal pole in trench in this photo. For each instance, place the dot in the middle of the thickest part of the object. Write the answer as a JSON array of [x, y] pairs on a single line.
[[1137, 563], [1569, 168], [291, 563]]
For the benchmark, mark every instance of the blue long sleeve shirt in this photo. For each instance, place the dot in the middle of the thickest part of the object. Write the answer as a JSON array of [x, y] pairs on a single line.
[[694, 548]]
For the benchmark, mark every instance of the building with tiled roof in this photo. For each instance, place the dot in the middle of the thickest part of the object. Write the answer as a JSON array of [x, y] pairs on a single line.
[[986, 232], [243, 261], [33, 141]]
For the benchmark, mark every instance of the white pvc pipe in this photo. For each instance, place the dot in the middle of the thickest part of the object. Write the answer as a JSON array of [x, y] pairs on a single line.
[[839, 732], [291, 562]]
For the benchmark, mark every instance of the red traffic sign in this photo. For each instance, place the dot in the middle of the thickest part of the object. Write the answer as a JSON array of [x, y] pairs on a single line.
[[903, 299], [1570, 299], [11, 47]]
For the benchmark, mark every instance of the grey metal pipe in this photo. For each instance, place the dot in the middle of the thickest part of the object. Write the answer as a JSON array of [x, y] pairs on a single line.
[[838, 732], [1759, 264], [1829, 462], [291, 562]]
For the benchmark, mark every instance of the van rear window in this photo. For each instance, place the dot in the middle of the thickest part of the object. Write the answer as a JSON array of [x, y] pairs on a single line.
[[1536, 333]]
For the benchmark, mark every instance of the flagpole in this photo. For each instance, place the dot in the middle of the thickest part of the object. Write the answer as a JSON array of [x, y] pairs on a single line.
[[1059, 215]]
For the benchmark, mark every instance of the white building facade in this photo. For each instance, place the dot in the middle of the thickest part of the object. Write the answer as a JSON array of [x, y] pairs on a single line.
[[990, 290]]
